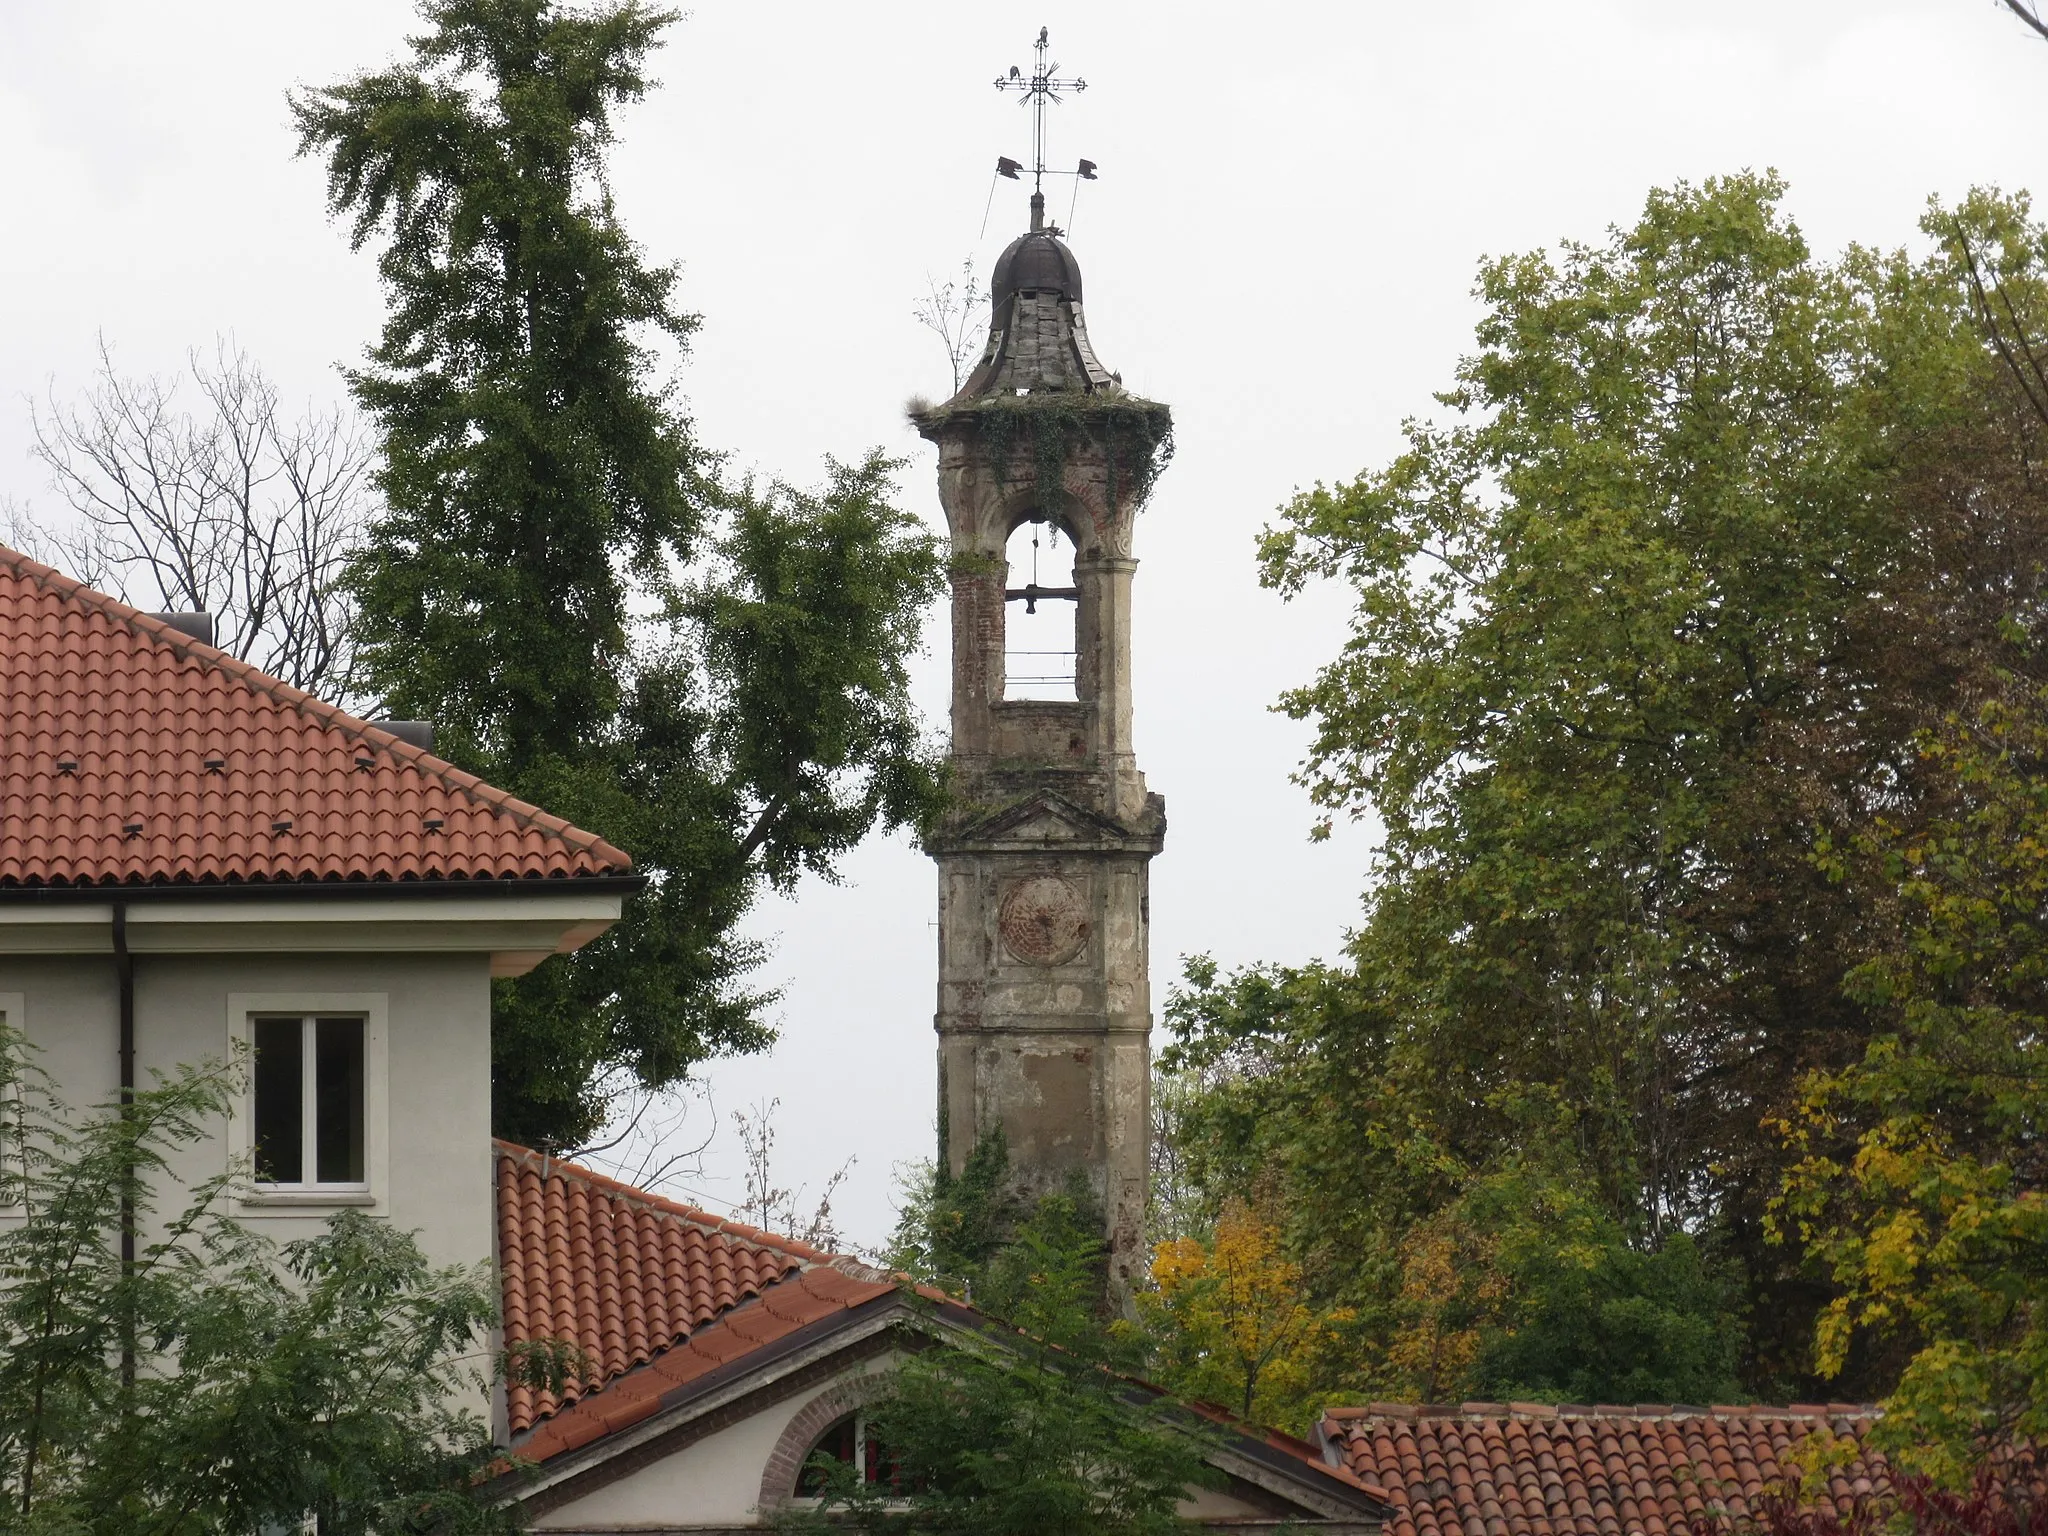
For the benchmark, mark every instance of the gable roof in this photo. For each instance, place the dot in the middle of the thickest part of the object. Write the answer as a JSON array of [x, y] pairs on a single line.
[[668, 1301], [1531, 1469], [189, 767], [746, 1336], [626, 1275]]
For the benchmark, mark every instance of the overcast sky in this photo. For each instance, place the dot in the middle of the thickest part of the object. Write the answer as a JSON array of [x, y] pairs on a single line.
[[1293, 198]]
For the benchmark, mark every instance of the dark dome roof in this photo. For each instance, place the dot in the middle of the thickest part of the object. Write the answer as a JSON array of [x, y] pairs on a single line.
[[1035, 263]]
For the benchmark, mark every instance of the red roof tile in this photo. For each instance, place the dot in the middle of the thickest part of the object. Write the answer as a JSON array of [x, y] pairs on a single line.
[[1523, 1469], [131, 754], [809, 1296], [624, 1275]]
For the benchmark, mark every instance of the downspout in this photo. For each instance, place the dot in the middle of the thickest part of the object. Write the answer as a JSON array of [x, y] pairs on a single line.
[[124, 974]]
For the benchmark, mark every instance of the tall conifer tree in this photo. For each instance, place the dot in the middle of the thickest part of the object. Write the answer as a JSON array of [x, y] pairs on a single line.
[[710, 676]]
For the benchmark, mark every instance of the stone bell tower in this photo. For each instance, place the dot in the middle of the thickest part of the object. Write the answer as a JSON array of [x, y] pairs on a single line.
[[1044, 1016]]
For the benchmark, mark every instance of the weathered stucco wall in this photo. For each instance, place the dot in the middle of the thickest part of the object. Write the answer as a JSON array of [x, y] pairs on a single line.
[[1045, 1009]]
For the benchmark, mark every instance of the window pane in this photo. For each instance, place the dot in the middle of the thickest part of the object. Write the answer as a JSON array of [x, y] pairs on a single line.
[[280, 1116], [837, 1443], [881, 1461], [338, 1097]]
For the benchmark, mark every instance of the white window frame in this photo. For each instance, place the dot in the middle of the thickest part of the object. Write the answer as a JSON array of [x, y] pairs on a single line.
[[309, 1103], [373, 1008]]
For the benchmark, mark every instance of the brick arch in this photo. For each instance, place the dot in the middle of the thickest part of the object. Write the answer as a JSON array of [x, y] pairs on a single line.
[[1069, 513], [778, 1478], [1077, 509]]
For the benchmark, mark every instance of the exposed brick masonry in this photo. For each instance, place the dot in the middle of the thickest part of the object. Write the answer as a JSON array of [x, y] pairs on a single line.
[[778, 1479]]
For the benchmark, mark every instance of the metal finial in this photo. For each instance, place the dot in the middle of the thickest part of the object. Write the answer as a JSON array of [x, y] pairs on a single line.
[[1039, 91]]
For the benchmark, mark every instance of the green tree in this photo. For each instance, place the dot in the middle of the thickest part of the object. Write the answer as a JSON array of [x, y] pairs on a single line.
[[1935, 1224], [952, 1226], [1293, 1090], [710, 675], [1919, 1180], [1646, 631], [1437, 1280], [336, 1377], [1563, 1307], [1582, 607]]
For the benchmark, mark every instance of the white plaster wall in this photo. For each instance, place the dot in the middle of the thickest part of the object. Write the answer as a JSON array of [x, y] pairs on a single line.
[[713, 1481], [437, 1083], [438, 1068], [1214, 1504], [70, 1014]]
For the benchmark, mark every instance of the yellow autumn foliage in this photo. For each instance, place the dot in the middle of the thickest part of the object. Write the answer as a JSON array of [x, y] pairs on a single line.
[[1234, 1325], [1450, 1286]]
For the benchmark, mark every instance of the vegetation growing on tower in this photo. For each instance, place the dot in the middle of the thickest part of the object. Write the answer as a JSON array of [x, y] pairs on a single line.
[[1047, 428]]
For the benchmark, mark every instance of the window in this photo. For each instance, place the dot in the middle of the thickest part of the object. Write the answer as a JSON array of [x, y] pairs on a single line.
[[309, 1077], [849, 1442], [313, 1126]]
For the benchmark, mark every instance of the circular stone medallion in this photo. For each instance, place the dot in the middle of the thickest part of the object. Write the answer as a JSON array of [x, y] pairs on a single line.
[[1043, 920]]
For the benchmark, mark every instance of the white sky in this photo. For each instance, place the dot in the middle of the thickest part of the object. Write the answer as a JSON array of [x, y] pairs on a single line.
[[1292, 200]]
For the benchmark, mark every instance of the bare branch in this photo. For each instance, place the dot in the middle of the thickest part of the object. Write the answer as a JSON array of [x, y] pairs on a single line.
[[234, 509], [2028, 11], [777, 1210], [952, 311], [642, 1128]]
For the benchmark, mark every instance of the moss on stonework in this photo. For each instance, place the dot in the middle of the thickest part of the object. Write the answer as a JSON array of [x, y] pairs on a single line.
[[973, 563], [1135, 436]]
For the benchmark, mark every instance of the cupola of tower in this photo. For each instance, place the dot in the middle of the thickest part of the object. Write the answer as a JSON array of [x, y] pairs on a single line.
[[1035, 263], [1037, 339]]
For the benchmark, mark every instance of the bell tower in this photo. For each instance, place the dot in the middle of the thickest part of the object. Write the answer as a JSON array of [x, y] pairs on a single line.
[[1044, 1008]]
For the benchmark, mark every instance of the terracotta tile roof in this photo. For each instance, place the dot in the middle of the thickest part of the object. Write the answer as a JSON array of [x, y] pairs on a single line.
[[658, 1294], [132, 754], [809, 1296], [1285, 1444], [1494, 1469], [623, 1274]]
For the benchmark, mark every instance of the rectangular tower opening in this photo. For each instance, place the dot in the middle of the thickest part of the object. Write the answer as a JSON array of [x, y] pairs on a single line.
[[1039, 614]]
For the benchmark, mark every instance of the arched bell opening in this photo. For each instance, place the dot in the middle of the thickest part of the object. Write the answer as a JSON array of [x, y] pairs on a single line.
[[1040, 604]]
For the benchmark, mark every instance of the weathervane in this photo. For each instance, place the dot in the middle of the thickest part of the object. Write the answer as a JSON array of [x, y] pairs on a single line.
[[1042, 88]]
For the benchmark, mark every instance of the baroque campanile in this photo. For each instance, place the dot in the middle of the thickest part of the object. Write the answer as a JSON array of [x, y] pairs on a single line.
[[1044, 1008]]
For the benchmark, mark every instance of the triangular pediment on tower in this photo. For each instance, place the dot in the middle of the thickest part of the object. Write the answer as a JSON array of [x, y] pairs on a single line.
[[1045, 819]]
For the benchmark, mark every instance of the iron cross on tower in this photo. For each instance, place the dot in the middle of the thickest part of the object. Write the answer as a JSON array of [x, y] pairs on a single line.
[[1038, 92]]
